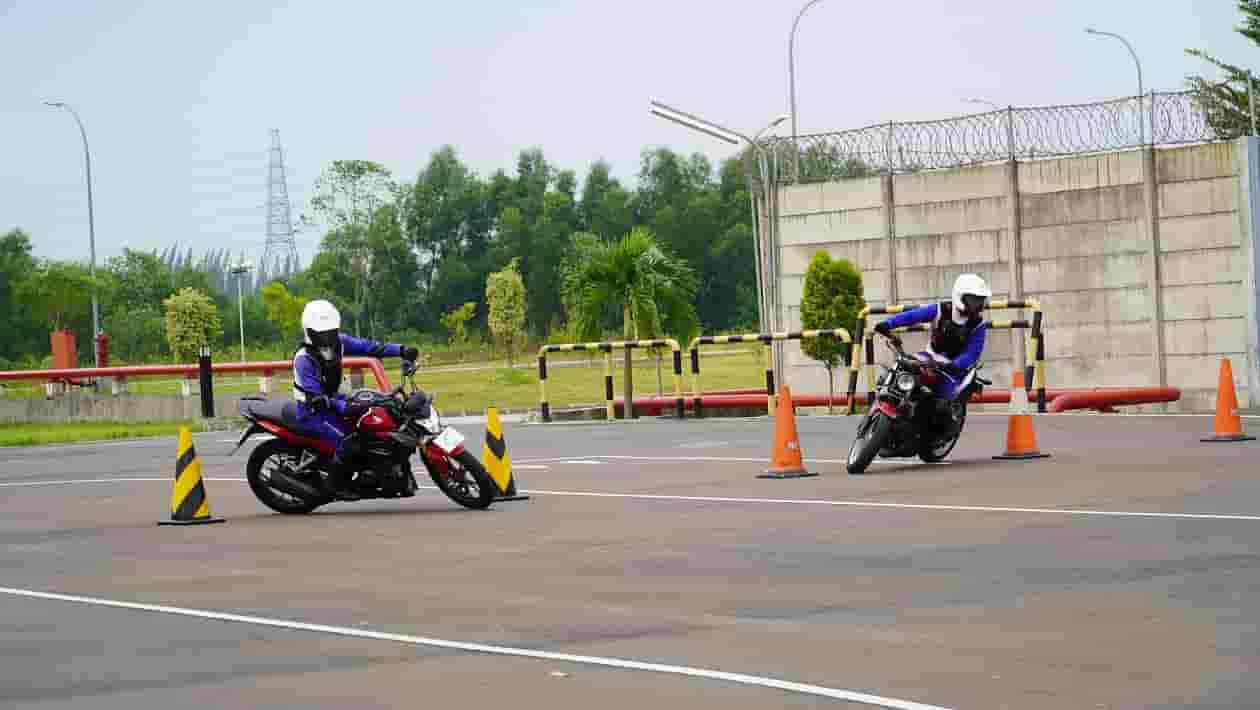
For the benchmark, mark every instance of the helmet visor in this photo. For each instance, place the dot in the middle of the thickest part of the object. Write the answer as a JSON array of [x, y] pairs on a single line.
[[973, 304]]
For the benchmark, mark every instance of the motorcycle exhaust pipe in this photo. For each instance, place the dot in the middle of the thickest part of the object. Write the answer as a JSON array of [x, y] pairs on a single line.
[[292, 486]]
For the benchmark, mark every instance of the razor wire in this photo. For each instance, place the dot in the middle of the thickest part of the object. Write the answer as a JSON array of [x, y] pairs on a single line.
[[1001, 135]]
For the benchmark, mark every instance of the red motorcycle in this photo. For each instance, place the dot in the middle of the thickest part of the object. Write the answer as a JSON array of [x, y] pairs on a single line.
[[290, 472]]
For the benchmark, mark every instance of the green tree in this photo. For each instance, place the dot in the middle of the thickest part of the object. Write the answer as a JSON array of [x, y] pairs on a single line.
[[1228, 101], [349, 195], [831, 298], [506, 303], [651, 288], [56, 291], [284, 310], [17, 328], [192, 321], [140, 280], [456, 323]]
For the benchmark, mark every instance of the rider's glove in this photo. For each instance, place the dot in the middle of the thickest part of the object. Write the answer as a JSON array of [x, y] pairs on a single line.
[[354, 410], [410, 354], [319, 403], [883, 329]]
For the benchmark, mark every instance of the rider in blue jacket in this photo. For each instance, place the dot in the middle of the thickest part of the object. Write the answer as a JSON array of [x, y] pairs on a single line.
[[323, 412], [957, 335]]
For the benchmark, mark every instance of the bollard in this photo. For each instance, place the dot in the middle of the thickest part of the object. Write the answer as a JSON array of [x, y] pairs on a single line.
[[265, 382], [356, 379], [207, 383], [120, 386]]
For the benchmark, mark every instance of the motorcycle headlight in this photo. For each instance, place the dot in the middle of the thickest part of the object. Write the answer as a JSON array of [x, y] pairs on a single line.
[[905, 382]]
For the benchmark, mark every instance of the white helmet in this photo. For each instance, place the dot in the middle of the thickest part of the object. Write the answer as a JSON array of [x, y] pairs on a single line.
[[971, 295], [321, 329]]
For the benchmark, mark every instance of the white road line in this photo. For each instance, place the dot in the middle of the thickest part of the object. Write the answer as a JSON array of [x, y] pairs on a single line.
[[908, 506], [168, 479], [775, 501], [765, 460], [625, 664]]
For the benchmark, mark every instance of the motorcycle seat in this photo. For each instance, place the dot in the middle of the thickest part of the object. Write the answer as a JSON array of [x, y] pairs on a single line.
[[282, 412]]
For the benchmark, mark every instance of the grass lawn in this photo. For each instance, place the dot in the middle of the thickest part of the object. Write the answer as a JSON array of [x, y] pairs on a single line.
[[584, 384], [69, 432], [472, 390]]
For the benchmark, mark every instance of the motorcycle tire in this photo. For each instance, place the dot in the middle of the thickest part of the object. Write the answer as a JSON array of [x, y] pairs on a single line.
[[866, 446], [268, 496], [460, 490], [942, 449]]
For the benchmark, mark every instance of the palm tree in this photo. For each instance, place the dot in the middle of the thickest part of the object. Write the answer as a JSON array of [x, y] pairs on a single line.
[[651, 288]]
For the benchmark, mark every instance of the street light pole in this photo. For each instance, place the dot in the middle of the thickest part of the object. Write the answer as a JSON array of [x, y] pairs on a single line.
[[240, 269], [764, 239], [87, 158], [792, 63], [1141, 90]]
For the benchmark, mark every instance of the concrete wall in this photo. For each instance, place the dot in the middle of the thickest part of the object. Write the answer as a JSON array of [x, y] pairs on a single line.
[[82, 407], [1143, 261]]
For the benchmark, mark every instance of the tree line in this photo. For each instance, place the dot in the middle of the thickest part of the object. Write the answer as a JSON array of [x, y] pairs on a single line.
[[408, 256]]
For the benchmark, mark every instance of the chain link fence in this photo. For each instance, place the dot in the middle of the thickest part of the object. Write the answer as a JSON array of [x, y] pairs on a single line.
[[1007, 134]]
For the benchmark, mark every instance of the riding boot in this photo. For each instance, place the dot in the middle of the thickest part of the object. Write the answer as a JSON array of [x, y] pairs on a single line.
[[339, 480]]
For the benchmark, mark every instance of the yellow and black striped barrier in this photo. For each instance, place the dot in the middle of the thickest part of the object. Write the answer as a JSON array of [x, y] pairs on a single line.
[[607, 348], [767, 339], [497, 460], [1035, 362], [189, 504]]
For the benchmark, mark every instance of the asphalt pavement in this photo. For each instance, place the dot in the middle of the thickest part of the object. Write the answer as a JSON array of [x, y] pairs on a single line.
[[651, 565]]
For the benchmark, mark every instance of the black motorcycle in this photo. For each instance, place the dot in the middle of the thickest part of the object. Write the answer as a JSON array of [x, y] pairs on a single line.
[[904, 420]]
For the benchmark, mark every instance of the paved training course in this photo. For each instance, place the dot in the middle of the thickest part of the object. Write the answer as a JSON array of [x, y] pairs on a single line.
[[652, 566]]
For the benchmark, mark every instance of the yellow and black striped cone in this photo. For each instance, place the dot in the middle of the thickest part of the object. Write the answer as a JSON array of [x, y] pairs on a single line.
[[498, 461], [189, 504]]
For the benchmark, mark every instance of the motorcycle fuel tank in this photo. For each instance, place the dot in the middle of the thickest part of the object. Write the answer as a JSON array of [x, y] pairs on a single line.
[[377, 420]]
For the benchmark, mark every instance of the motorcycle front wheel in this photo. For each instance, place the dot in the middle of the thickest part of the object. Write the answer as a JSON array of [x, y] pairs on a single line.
[[466, 481], [938, 450], [869, 443]]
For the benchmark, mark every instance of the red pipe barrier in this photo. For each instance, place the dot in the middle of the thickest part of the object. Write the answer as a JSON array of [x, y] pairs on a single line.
[[1105, 399], [190, 370], [1101, 399]]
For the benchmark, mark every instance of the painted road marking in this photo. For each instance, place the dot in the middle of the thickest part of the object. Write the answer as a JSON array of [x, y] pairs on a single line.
[[888, 462], [625, 664], [773, 501]]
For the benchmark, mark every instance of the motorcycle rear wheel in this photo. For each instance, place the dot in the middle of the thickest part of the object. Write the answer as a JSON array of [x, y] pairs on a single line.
[[264, 459], [467, 482], [866, 446]]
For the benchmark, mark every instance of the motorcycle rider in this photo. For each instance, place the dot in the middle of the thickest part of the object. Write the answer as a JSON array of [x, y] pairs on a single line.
[[957, 339], [323, 412]]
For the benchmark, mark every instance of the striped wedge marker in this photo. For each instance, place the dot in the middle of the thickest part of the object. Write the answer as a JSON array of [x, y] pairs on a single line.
[[498, 461], [189, 504]]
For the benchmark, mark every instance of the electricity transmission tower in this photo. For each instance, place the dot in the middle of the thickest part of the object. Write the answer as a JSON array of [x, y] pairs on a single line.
[[280, 253]]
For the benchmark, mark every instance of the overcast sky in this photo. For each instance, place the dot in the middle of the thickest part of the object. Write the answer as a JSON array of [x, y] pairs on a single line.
[[178, 97]]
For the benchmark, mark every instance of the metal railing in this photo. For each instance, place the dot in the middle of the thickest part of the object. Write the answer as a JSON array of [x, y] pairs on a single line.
[[607, 348], [1035, 362], [1007, 134], [189, 371], [768, 339]]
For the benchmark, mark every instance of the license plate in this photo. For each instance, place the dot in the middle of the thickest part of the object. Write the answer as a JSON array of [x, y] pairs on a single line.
[[448, 440]]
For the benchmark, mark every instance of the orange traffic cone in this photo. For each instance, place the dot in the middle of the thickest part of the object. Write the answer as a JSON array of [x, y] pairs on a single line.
[[785, 459], [1228, 424], [1021, 440]]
